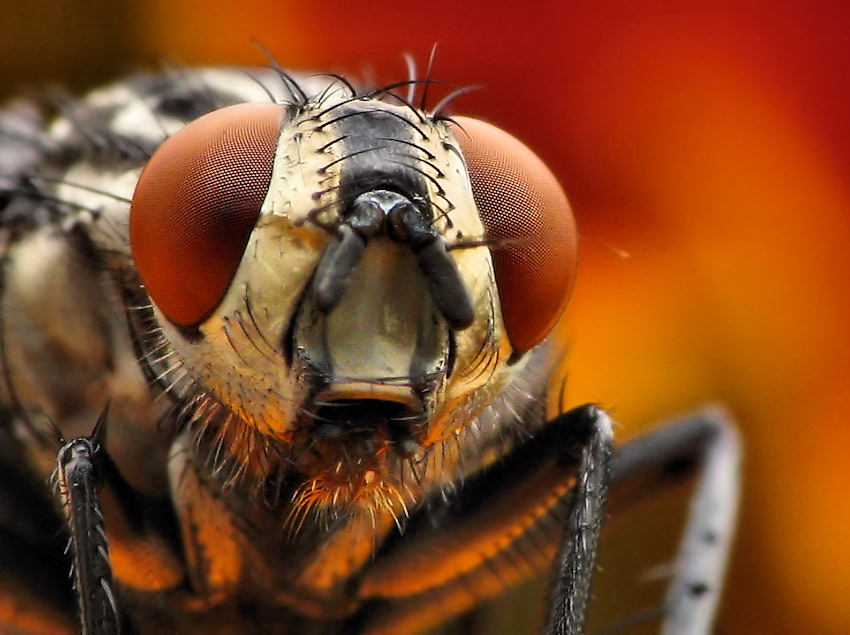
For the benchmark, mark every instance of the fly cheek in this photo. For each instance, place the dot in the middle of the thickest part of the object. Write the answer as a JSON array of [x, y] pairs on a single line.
[[196, 204], [527, 216]]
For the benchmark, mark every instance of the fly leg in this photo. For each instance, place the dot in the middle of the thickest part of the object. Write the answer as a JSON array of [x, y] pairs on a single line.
[[506, 523], [503, 525], [706, 444], [577, 558], [77, 475]]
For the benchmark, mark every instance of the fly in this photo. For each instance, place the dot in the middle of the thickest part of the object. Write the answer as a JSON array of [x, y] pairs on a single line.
[[322, 319]]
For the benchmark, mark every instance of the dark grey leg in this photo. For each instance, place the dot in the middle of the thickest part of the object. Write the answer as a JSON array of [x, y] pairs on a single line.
[[508, 521], [577, 558], [89, 547]]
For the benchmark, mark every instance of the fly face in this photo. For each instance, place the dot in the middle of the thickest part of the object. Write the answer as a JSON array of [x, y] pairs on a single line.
[[320, 275]]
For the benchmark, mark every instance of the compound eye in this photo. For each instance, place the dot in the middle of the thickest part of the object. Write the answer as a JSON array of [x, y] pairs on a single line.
[[196, 203], [524, 209]]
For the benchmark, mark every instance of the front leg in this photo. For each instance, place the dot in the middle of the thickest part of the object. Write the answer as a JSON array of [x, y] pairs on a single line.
[[505, 524], [577, 560], [76, 469], [137, 555], [502, 526]]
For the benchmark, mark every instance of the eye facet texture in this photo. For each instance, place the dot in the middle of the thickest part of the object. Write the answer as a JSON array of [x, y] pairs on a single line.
[[196, 203], [525, 210]]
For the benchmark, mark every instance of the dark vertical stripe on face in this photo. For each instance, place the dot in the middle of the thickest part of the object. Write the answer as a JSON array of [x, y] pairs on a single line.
[[378, 155]]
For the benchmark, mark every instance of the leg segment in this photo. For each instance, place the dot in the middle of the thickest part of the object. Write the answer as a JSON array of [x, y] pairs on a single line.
[[577, 559], [89, 546], [707, 444]]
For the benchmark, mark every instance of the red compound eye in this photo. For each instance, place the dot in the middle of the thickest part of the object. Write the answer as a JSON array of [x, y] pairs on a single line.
[[523, 207], [196, 204]]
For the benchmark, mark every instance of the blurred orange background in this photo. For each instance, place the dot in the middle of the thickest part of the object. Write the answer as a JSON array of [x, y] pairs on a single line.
[[708, 141]]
